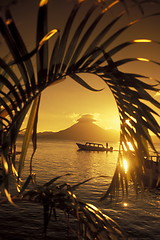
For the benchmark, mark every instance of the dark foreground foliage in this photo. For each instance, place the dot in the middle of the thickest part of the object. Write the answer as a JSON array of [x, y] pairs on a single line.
[[76, 50]]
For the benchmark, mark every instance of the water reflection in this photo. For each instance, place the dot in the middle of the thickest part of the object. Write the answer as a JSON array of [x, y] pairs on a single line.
[[138, 217], [125, 165], [96, 163]]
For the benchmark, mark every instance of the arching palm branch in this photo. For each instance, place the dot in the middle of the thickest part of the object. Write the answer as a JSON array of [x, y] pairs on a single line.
[[74, 52]]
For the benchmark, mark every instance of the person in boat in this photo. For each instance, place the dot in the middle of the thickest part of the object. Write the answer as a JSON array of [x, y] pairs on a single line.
[[106, 144]]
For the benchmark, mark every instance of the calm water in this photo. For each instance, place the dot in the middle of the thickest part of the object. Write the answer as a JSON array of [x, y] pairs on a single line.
[[140, 219]]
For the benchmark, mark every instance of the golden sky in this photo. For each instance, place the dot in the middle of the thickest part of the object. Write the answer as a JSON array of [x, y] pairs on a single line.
[[63, 103]]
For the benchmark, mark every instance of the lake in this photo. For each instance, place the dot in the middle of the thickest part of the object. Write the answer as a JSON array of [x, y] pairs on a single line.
[[139, 219]]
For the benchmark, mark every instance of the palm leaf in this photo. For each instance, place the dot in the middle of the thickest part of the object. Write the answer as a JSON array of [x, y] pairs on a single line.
[[72, 53], [91, 221], [54, 179], [63, 41], [21, 47], [35, 50], [14, 78], [53, 61], [15, 53], [85, 39], [42, 55], [110, 40], [11, 88], [75, 39], [79, 80], [28, 134]]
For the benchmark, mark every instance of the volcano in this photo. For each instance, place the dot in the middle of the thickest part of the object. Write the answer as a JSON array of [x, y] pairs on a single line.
[[84, 130]]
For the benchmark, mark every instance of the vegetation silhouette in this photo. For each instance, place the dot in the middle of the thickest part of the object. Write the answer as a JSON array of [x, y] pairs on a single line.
[[73, 52]]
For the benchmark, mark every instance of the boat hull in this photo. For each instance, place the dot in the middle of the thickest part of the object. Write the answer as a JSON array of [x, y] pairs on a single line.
[[85, 147]]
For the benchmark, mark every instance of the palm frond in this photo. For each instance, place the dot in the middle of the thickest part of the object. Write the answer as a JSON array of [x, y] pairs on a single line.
[[80, 49], [28, 134], [92, 223], [79, 80]]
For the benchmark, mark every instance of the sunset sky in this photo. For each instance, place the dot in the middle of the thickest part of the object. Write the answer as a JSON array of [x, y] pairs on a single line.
[[63, 103]]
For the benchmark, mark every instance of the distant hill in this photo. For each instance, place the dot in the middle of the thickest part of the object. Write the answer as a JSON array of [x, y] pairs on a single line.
[[83, 131]]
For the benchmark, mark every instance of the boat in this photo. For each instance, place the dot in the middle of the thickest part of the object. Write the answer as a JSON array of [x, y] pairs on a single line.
[[89, 146]]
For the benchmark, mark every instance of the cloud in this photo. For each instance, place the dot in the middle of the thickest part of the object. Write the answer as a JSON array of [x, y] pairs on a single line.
[[92, 117], [73, 117], [86, 118]]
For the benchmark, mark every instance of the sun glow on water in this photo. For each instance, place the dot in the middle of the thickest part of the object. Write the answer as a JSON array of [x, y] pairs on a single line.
[[125, 204], [125, 165]]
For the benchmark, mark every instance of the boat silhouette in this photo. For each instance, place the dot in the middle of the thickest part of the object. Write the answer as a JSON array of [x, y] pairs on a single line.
[[89, 146]]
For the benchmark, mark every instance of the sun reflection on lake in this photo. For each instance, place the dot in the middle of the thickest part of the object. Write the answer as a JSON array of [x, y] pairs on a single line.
[[125, 204], [125, 165]]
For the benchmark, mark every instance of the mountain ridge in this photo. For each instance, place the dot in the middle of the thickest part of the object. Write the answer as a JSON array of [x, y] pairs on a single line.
[[83, 131]]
